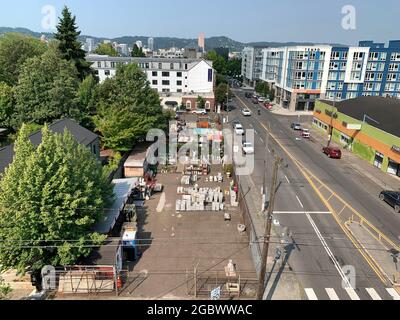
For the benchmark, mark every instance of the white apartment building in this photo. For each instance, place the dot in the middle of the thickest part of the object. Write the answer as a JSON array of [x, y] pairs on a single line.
[[178, 81], [301, 74], [252, 59]]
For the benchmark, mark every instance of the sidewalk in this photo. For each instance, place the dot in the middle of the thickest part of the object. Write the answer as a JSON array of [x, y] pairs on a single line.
[[281, 281], [377, 251], [278, 110], [384, 180]]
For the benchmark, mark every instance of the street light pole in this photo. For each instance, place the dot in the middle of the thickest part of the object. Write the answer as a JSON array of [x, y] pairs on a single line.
[[331, 124], [267, 235]]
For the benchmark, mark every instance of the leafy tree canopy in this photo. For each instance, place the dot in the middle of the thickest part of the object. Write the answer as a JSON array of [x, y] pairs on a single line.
[[47, 89], [15, 49], [50, 198], [137, 52], [128, 108], [7, 111], [106, 49]]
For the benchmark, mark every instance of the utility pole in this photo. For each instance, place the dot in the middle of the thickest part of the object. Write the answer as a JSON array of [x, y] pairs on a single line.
[[331, 125], [267, 235]]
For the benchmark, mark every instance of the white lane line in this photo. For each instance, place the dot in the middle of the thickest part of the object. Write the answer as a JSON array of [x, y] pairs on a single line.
[[395, 295], [352, 294], [302, 212], [287, 179], [262, 140], [328, 251], [310, 294], [374, 295], [332, 294], [301, 204]]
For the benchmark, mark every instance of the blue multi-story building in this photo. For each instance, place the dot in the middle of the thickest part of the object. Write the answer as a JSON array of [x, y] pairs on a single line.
[[301, 74]]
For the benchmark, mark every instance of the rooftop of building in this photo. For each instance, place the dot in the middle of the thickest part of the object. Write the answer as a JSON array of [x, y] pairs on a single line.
[[96, 57], [386, 111], [81, 134]]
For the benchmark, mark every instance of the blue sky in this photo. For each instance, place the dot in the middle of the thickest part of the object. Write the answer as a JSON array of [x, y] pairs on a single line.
[[242, 20]]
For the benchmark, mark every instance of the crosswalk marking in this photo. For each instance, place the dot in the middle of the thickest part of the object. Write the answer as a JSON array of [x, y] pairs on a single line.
[[332, 294], [311, 294], [393, 293], [352, 294], [374, 295]]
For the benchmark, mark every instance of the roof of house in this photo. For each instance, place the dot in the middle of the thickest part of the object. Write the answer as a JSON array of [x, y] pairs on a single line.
[[81, 134], [386, 111]]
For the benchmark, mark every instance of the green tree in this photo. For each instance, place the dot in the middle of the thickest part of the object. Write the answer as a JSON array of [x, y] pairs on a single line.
[[50, 198], [70, 47], [201, 102], [86, 100], [128, 108], [106, 49], [220, 93], [262, 88], [219, 62], [137, 52], [15, 49], [47, 89], [7, 111]]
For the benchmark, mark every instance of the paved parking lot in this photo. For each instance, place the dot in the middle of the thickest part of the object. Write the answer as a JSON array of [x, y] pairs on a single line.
[[175, 243]]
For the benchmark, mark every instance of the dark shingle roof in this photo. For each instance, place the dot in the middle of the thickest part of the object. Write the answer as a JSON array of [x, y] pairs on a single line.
[[384, 110], [81, 134]]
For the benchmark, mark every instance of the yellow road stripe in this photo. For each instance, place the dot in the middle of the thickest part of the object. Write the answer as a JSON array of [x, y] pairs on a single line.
[[373, 264]]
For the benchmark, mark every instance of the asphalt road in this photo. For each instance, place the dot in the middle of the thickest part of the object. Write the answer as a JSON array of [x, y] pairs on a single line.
[[321, 248]]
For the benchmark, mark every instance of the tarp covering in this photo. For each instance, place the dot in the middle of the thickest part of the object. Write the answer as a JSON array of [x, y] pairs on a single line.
[[122, 191]]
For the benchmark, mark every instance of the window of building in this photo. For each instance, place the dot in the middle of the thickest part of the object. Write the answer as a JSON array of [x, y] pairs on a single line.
[[171, 66], [179, 74], [395, 56], [160, 66], [179, 83], [179, 90], [346, 140], [155, 73], [373, 55], [394, 67], [165, 90], [186, 66], [391, 77], [165, 74], [335, 55], [165, 82], [155, 82], [378, 162], [107, 72]]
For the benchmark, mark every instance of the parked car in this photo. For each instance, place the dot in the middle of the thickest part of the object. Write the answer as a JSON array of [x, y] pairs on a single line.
[[255, 101], [248, 148], [332, 152], [261, 100], [392, 198], [234, 123], [296, 126], [200, 111], [248, 95], [246, 112], [239, 130], [268, 105]]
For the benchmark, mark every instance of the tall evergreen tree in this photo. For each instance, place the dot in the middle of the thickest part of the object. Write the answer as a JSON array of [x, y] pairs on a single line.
[[70, 47]]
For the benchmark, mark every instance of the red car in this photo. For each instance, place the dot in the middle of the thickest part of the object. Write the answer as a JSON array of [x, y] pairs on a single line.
[[333, 152], [268, 105]]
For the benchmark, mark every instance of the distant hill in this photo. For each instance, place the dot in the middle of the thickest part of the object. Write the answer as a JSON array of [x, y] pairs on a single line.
[[168, 42]]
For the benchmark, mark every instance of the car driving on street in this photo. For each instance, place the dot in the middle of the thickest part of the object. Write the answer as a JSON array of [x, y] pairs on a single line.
[[248, 148], [392, 198], [305, 133], [296, 126], [239, 129], [246, 112]]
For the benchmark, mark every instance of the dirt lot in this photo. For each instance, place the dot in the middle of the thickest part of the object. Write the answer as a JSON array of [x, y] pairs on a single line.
[[181, 241]]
